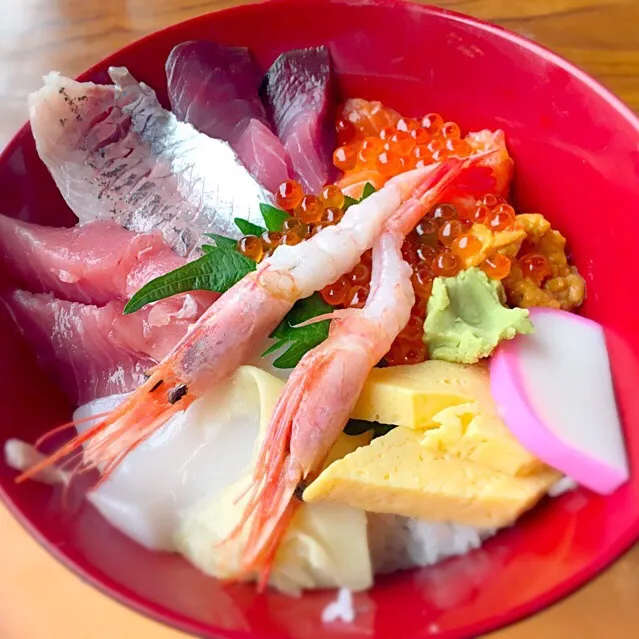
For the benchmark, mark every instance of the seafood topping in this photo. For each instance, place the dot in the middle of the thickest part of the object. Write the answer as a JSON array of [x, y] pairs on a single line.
[[67, 336], [116, 154], [235, 328], [92, 264], [299, 92], [215, 88]]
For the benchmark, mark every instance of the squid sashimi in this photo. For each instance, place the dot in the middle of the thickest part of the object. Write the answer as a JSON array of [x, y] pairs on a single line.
[[116, 154], [235, 328], [216, 89], [211, 443], [75, 342], [299, 91]]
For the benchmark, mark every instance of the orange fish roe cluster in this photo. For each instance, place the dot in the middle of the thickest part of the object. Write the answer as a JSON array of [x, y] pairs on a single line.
[[309, 214], [440, 245], [493, 239], [377, 144]]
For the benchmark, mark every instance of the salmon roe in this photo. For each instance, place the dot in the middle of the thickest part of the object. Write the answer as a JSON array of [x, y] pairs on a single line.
[[496, 266], [376, 140], [309, 215], [251, 246], [436, 247], [536, 267], [289, 194]]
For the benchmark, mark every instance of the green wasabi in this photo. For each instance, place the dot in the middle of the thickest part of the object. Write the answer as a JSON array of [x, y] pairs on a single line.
[[467, 318]]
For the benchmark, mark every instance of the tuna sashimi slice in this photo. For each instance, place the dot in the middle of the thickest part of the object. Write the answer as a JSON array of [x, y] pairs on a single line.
[[92, 264], [299, 90], [216, 89], [75, 343], [116, 154], [154, 330]]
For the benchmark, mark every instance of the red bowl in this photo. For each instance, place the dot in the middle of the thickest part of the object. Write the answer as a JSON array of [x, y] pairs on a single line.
[[576, 151]]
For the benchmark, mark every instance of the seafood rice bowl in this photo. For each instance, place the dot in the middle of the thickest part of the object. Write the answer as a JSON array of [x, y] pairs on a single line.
[[306, 327]]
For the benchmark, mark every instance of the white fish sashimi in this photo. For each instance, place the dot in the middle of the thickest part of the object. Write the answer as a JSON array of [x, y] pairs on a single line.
[[116, 154]]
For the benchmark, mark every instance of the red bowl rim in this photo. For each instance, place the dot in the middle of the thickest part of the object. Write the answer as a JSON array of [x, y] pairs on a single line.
[[553, 596]]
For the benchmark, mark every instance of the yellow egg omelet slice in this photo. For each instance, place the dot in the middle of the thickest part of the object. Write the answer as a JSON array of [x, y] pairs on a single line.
[[397, 474], [453, 405], [412, 395], [466, 432]]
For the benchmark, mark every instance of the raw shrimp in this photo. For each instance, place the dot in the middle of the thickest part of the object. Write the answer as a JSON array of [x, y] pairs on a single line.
[[323, 389], [232, 331]]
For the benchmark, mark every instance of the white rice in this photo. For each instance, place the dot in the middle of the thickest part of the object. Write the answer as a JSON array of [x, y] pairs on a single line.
[[561, 486], [341, 609], [398, 543]]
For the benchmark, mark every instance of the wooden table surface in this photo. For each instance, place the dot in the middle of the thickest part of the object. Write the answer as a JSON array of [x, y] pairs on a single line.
[[40, 599]]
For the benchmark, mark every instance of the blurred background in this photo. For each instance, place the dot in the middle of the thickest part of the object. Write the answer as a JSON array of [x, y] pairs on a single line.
[[40, 599]]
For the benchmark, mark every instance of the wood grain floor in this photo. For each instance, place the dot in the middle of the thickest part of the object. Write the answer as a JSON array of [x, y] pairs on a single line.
[[40, 599]]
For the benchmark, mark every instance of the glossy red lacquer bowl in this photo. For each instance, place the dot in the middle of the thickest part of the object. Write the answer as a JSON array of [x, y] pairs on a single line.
[[576, 151]]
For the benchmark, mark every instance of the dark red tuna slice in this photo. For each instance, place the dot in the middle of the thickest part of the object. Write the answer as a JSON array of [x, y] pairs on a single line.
[[299, 91]]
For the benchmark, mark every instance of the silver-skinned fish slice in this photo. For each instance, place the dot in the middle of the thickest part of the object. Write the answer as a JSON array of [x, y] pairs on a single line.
[[116, 154]]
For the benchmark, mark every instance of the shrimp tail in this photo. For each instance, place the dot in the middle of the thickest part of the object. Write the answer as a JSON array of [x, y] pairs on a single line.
[[105, 444], [269, 511], [275, 494]]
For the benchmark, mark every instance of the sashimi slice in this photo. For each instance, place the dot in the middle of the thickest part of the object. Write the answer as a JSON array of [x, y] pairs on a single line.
[[555, 393], [116, 154], [216, 89], [199, 449], [154, 330], [75, 343], [263, 155], [299, 89], [92, 264]]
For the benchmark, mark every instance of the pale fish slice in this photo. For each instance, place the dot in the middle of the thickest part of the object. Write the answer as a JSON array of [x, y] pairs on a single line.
[[116, 154]]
